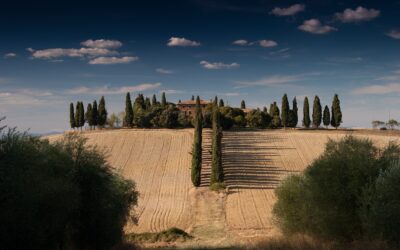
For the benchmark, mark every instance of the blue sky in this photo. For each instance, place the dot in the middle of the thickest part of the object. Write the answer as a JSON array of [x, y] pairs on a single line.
[[52, 54]]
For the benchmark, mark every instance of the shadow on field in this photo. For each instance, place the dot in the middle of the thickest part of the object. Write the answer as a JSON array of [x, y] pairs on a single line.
[[247, 160]]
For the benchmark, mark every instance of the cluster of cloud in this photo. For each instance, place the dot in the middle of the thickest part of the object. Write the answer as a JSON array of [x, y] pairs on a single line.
[[99, 51], [182, 42], [289, 11], [269, 81], [391, 85], [10, 55], [164, 71], [218, 65], [314, 26], [394, 34], [360, 14], [262, 43], [106, 90]]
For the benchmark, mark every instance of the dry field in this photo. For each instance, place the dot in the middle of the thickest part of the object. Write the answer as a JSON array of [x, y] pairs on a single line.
[[254, 164], [159, 162]]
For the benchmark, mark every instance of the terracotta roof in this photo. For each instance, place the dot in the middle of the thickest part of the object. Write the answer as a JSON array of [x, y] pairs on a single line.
[[191, 102], [247, 110]]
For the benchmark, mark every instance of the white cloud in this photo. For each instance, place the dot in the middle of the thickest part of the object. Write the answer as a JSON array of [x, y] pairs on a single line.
[[106, 90], [241, 42], [268, 81], [9, 55], [102, 43], [28, 97], [229, 94], [267, 43], [360, 14], [113, 60], [394, 34], [378, 89], [314, 26], [60, 52], [289, 11], [218, 65], [171, 91], [164, 71], [183, 42], [263, 43]]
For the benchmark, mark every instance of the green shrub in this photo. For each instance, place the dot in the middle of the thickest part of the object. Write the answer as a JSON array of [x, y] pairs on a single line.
[[326, 200], [170, 235], [61, 196], [381, 206]]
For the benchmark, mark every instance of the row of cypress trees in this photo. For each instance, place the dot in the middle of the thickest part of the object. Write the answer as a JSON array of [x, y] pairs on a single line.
[[332, 117], [217, 173], [197, 144], [94, 116], [129, 107]]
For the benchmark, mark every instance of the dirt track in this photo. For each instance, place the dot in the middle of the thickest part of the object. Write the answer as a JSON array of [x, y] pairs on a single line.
[[254, 163]]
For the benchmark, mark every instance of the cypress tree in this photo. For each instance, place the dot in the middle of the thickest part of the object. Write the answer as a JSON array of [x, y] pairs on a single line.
[[336, 112], [139, 103], [192, 97], [77, 110], [95, 114], [196, 150], [154, 100], [285, 111], [217, 174], [271, 109], [265, 110], [89, 115], [147, 103], [242, 105], [221, 103], [317, 112], [163, 100], [306, 113], [215, 101], [71, 116], [102, 112], [326, 117], [81, 115], [128, 111], [295, 113]]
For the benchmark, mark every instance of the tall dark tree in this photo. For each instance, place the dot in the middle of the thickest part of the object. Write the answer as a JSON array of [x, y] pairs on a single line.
[[81, 115], [192, 97], [317, 112], [163, 100], [285, 111], [89, 115], [128, 111], [77, 115], [221, 103], [217, 173], [306, 113], [197, 148], [215, 101], [102, 112], [147, 103], [95, 114], [242, 104], [295, 113], [139, 103], [336, 112], [265, 110], [72, 116], [326, 119], [154, 100]]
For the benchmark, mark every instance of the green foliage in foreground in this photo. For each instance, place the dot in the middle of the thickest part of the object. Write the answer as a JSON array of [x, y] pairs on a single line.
[[60, 196], [333, 198], [170, 235]]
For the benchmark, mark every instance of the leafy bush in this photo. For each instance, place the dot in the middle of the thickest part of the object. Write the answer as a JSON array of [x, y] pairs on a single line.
[[170, 235], [326, 201], [60, 196], [381, 206]]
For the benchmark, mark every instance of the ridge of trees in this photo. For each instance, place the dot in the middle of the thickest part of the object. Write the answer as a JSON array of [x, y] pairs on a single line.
[[144, 112]]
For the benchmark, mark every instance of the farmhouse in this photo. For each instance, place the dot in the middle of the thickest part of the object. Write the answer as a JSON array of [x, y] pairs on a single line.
[[189, 106]]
